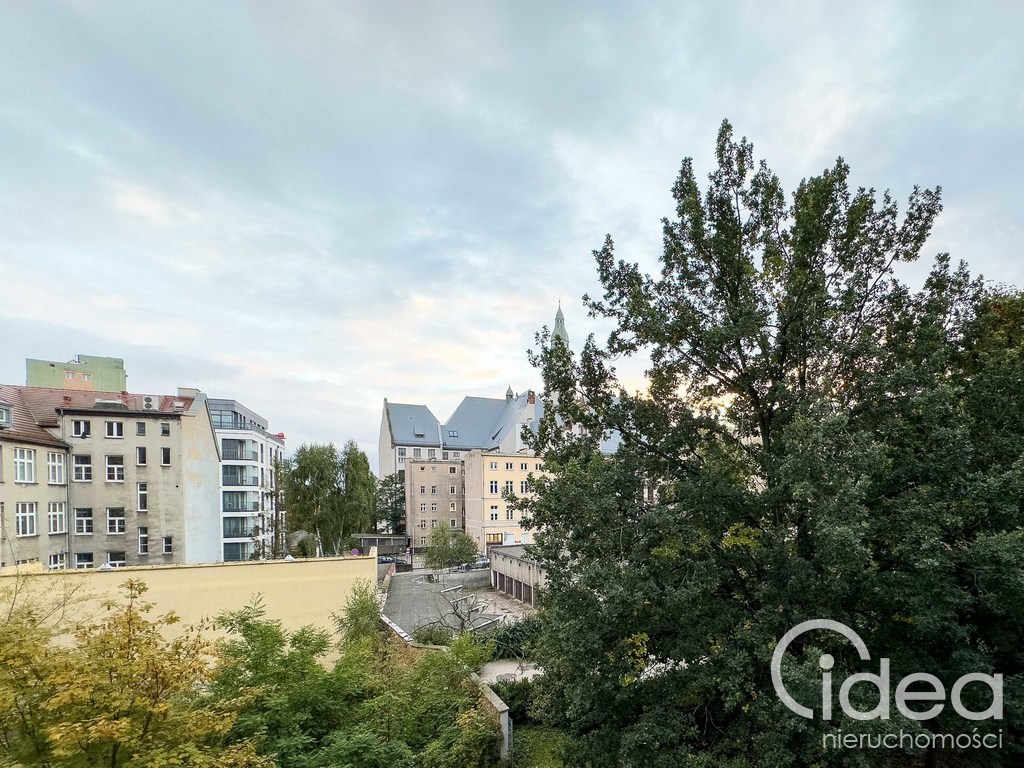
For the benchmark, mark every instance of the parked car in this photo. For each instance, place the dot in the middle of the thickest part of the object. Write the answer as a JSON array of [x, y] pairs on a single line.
[[386, 559], [480, 562]]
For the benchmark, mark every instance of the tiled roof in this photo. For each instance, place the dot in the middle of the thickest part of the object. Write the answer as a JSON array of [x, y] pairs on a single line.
[[43, 402], [23, 424]]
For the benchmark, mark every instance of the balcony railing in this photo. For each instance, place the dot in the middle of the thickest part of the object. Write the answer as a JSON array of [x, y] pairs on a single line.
[[238, 531], [251, 482], [236, 454], [241, 506]]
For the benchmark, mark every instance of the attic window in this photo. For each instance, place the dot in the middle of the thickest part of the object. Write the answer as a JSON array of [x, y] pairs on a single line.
[[5, 415], [453, 433], [417, 430]]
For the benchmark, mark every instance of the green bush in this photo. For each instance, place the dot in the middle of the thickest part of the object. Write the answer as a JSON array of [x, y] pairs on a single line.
[[519, 695], [514, 641], [432, 634]]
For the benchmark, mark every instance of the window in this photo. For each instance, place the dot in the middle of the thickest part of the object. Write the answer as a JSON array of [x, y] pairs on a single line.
[[423, 539], [83, 560], [508, 486], [433, 523], [539, 467], [423, 469], [140, 427], [165, 429], [494, 465], [494, 512], [453, 433], [115, 469], [451, 489], [451, 506], [416, 453], [432, 469], [70, 375], [25, 518], [140, 456], [81, 428], [57, 517], [444, 455], [433, 490], [523, 485], [431, 453], [142, 494], [86, 377], [401, 453], [57, 562], [115, 429], [165, 457], [494, 486], [423, 506], [494, 538], [433, 507], [55, 474], [453, 523], [456, 454], [143, 540], [508, 465], [116, 559], [423, 490], [5, 415], [510, 514], [82, 466], [168, 545], [451, 470], [423, 523], [524, 466], [115, 520], [24, 465], [83, 522]]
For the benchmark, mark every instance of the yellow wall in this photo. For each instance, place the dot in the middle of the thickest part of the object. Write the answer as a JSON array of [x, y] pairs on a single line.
[[301, 592]]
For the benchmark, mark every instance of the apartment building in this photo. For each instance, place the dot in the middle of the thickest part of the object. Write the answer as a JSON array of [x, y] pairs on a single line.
[[130, 479], [433, 497], [86, 372], [252, 524], [490, 520]]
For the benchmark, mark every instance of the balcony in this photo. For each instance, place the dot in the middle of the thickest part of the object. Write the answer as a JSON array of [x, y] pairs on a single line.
[[249, 482], [237, 454], [239, 529], [241, 506]]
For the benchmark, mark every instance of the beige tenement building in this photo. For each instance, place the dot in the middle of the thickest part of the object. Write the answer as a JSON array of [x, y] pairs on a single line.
[[124, 479], [489, 518], [433, 497]]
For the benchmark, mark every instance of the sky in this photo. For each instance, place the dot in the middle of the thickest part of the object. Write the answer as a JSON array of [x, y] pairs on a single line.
[[311, 206]]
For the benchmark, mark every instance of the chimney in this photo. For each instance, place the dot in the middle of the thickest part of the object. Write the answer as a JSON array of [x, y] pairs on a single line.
[[531, 397]]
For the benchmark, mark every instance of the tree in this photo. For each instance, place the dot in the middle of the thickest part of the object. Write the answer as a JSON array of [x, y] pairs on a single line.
[[360, 491], [314, 495], [819, 446], [390, 508], [118, 694], [449, 549]]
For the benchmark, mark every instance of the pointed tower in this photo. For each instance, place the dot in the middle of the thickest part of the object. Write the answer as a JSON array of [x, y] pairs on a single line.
[[559, 331]]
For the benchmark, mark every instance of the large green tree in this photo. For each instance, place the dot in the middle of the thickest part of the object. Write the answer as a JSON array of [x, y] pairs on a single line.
[[390, 508], [816, 441], [314, 494], [359, 499]]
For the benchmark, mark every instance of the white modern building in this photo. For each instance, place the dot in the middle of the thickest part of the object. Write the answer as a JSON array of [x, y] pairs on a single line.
[[252, 523]]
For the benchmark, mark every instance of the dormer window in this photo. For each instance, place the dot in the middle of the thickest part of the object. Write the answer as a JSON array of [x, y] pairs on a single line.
[[5, 416], [453, 433]]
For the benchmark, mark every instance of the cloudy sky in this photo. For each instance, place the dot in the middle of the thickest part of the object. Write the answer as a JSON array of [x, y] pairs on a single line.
[[310, 206]]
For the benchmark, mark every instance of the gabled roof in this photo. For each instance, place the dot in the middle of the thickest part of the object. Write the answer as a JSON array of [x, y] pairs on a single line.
[[43, 402], [475, 421], [411, 424], [24, 427]]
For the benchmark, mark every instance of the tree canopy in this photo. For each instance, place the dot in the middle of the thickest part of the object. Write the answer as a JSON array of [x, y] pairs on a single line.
[[449, 549], [817, 441]]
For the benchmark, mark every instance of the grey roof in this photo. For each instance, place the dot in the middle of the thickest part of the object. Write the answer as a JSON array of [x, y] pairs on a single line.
[[474, 421], [559, 331], [411, 424]]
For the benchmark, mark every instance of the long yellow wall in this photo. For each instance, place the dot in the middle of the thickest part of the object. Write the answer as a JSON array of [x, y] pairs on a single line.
[[304, 591]]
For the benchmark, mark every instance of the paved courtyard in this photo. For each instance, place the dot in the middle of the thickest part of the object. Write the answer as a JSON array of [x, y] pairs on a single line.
[[414, 601]]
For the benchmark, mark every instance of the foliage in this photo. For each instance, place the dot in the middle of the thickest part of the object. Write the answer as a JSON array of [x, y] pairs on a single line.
[[449, 549], [380, 704], [432, 634], [330, 494], [538, 747], [519, 695], [390, 505], [115, 692], [817, 441], [515, 640]]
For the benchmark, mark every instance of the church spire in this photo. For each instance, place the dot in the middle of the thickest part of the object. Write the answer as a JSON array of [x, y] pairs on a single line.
[[559, 331]]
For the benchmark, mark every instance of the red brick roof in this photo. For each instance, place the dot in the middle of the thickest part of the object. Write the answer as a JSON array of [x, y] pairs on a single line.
[[24, 427]]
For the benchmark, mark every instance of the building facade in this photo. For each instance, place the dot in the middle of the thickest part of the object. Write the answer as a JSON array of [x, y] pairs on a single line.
[[516, 574], [85, 372], [130, 479], [252, 522], [490, 519], [434, 496]]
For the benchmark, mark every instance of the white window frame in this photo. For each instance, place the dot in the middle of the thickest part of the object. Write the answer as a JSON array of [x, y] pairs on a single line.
[[494, 512], [143, 540], [168, 545], [83, 564], [24, 465], [83, 523], [117, 521], [119, 562], [115, 470], [494, 486], [142, 497], [141, 456], [115, 430], [25, 513], [81, 472], [58, 561], [56, 470], [57, 517], [165, 457], [81, 428]]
